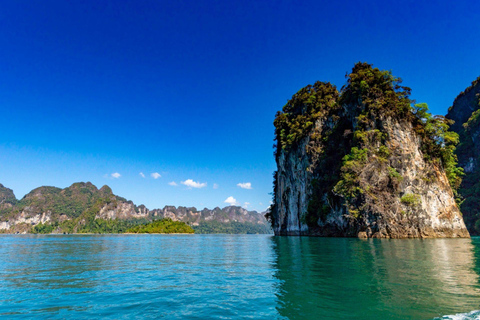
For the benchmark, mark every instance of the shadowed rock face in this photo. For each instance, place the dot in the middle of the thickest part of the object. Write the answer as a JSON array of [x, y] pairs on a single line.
[[464, 105], [354, 164], [7, 197], [465, 111]]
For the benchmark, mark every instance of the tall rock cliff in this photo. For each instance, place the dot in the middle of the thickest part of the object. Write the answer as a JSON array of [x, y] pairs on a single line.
[[364, 163], [465, 111]]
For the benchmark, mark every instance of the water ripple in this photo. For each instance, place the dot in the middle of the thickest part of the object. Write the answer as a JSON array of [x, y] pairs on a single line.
[[237, 277]]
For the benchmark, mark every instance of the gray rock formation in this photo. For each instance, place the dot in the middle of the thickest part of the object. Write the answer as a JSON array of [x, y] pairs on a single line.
[[357, 165]]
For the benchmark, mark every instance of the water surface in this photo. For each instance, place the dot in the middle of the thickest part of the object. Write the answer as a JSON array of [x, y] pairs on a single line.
[[237, 277]]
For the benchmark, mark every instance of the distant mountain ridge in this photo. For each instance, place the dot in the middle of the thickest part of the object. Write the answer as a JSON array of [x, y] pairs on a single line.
[[82, 207]]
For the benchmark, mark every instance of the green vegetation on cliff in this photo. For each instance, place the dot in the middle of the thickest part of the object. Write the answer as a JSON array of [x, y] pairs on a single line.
[[344, 132], [80, 199], [302, 111]]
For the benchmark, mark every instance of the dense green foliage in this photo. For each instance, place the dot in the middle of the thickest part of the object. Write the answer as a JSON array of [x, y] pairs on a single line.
[[115, 226], [44, 228], [71, 201], [301, 112], [231, 227], [376, 90], [208, 227], [158, 226], [94, 226], [162, 226], [80, 199]]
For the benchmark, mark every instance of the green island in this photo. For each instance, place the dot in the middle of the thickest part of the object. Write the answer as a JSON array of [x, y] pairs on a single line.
[[162, 226]]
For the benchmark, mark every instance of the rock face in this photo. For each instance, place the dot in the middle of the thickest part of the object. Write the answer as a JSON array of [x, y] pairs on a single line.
[[465, 111], [82, 203], [360, 164], [7, 198]]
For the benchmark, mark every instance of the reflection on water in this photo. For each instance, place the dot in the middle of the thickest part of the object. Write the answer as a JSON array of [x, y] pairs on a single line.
[[376, 279], [236, 277]]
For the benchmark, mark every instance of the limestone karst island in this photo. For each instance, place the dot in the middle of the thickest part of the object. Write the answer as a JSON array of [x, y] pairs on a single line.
[[363, 161], [367, 161]]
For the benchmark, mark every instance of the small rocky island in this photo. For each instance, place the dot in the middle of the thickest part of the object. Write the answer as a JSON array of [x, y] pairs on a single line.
[[364, 162]]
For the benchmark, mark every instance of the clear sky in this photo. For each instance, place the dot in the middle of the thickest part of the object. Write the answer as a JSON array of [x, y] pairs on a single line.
[[103, 91]]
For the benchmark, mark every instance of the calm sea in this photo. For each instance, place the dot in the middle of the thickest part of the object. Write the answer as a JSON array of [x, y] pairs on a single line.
[[237, 277]]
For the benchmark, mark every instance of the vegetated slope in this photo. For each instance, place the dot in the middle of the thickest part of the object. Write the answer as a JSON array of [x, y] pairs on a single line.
[[364, 162], [465, 111], [82, 208], [76, 209]]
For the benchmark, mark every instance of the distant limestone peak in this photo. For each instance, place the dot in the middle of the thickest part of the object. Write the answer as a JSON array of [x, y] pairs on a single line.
[[7, 195]]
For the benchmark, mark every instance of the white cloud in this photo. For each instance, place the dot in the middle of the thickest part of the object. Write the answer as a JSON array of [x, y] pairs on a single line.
[[194, 184], [246, 204], [116, 175], [215, 186], [231, 201], [245, 185], [142, 175], [173, 183], [156, 175]]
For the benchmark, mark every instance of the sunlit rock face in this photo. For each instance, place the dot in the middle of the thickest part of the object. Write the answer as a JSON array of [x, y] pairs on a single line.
[[355, 164], [465, 111]]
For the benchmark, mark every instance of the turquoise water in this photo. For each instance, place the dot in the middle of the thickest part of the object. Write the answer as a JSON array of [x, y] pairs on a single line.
[[237, 277]]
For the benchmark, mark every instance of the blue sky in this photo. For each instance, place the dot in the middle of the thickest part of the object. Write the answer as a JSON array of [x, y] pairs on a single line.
[[189, 89]]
